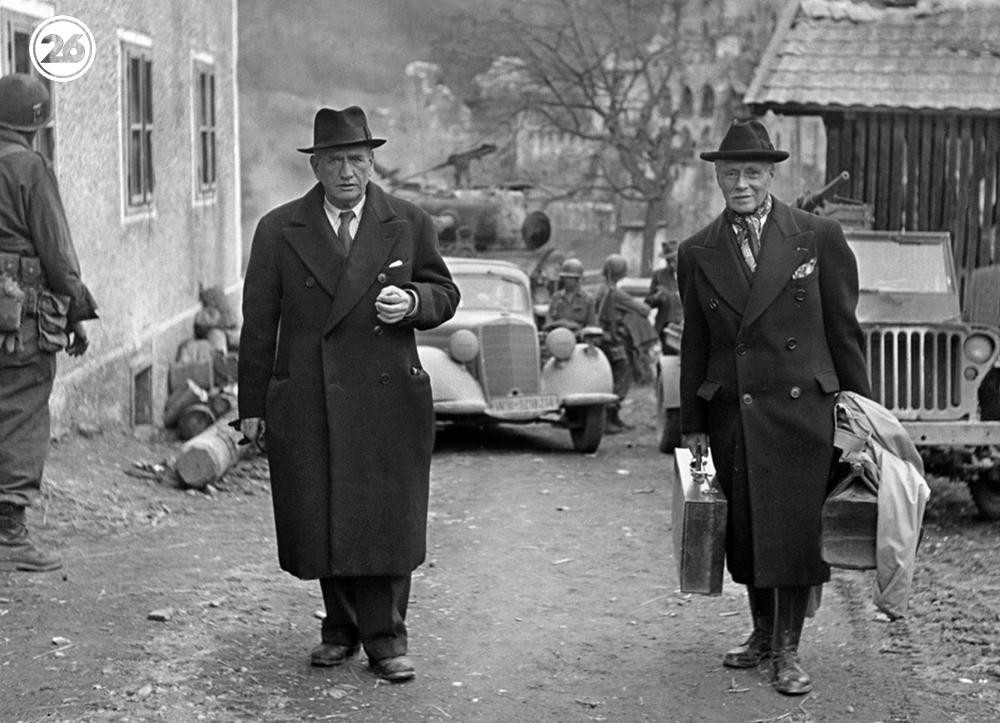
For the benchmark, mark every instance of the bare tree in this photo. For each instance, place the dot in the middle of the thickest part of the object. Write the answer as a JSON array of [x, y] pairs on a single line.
[[603, 79]]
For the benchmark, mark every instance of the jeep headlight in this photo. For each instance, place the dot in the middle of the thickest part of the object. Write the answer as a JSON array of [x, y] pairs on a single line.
[[463, 346], [561, 342], [978, 348]]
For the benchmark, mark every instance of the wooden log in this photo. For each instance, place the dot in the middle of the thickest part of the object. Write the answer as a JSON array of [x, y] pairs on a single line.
[[194, 420], [203, 459]]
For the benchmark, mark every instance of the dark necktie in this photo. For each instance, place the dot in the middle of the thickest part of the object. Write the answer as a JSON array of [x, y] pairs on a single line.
[[344, 232]]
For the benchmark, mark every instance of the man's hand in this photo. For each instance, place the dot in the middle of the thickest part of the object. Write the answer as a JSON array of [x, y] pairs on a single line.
[[696, 442], [253, 429], [78, 341], [393, 304]]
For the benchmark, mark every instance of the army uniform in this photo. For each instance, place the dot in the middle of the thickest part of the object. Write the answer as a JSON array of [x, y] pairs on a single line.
[[41, 297], [576, 307]]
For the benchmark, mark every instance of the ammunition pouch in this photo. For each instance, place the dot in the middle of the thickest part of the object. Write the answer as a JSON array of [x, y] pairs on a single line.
[[52, 312], [23, 295]]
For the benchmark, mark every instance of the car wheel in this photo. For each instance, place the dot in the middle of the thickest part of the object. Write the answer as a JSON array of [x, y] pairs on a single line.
[[586, 427], [985, 489], [670, 431]]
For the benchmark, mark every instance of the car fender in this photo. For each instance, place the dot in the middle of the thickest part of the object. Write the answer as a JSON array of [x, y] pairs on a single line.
[[454, 389], [668, 375], [583, 379]]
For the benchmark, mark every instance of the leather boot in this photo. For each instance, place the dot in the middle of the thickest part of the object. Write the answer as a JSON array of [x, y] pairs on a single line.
[[789, 615], [757, 647], [17, 551]]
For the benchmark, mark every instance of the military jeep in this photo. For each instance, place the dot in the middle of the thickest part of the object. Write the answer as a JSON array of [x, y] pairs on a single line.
[[926, 364]]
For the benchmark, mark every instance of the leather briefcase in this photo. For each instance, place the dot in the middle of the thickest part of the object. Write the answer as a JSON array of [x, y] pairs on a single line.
[[699, 524], [850, 521]]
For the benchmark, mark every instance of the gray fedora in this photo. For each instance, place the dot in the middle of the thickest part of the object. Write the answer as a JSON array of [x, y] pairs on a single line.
[[746, 140], [336, 128]]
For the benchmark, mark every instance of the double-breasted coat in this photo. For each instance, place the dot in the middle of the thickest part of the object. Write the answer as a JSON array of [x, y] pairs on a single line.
[[347, 405], [762, 359]]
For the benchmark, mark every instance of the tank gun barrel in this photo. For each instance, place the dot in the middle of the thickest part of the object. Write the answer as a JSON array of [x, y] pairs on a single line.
[[809, 202]]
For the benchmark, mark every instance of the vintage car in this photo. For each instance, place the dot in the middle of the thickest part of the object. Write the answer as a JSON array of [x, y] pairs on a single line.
[[926, 363], [485, 364]]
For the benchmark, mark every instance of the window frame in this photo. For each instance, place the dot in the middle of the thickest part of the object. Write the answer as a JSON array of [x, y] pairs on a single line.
[[204, 127], [137, 119]]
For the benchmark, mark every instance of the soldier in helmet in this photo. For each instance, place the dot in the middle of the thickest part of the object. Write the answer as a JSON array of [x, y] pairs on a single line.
[[43, 304], [627, 335], [571, 306]]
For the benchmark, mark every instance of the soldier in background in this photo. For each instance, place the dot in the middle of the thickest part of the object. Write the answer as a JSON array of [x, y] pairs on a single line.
[[663, 295], [571, 306], [627, 335], [43, 304]]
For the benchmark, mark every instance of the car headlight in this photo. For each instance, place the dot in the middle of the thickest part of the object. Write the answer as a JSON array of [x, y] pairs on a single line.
[[979, 348], [463, 346], [561, 342]]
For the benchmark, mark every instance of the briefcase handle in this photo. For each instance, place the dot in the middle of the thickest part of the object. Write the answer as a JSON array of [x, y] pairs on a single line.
[[699, 468]]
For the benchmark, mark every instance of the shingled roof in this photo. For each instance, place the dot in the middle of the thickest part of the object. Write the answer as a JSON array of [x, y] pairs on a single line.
[[936, 55]]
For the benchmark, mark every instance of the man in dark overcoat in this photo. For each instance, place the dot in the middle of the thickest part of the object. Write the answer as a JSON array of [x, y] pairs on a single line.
[[331, 384], [770, 337]]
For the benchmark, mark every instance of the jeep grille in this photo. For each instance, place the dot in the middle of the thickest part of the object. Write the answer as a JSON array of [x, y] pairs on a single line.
[[916, 371], [509, 358]]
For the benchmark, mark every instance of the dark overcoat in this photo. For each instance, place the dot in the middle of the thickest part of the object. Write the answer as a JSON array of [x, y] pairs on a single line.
[[347, 405], [762, 359]]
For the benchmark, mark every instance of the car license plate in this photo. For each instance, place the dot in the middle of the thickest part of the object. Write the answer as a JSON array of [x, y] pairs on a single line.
[[509, 405]]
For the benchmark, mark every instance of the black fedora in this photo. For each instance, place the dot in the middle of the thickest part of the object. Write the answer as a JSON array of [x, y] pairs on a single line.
[[336, 128], [746, 140]]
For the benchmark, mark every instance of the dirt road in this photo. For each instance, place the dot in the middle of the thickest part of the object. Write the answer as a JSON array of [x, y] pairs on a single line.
[[549, 595]]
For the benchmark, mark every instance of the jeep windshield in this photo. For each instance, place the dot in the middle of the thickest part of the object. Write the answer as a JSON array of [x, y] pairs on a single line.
[[891, 266], [491, 292]]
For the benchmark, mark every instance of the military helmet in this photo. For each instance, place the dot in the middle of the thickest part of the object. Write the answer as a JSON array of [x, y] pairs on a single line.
[[571, 267], [615, 267], [25, 104]]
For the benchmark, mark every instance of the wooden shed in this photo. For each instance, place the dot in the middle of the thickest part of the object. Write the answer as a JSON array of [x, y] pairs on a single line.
[[909, 94]]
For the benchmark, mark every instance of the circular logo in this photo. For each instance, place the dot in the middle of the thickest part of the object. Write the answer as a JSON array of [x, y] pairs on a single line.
[[62, 48]]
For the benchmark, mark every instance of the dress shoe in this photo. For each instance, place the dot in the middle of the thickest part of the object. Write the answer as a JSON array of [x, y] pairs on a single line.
[[325, 655], [749, 655], [397, 669]]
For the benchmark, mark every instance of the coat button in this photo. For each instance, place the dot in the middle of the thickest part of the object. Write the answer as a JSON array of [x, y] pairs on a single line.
[[795, 392], [383, 378], [791, 343], [381, 278], [310, 282], [800, 294], [748, 399], [741, 349], [713, 303], [377, 331]]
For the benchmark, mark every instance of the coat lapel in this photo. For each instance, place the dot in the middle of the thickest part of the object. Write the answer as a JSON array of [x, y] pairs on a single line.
[[720, 263], [782, 252], [312, 238], [377, 234]]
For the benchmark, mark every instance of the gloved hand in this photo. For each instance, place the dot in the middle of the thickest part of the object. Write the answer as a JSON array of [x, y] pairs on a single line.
[[78, 341]]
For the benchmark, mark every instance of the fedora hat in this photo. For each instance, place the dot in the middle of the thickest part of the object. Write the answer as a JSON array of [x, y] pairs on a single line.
[[746, 140], [335, 128]]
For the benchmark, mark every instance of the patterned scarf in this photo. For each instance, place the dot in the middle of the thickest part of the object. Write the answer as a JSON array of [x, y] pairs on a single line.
[[748, 228]]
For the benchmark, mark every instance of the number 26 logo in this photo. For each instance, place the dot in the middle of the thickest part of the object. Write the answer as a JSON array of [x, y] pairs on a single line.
[[62, 48]]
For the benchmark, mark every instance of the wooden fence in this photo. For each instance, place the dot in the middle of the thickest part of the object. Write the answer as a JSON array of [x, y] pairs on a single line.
[[924, 172]]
